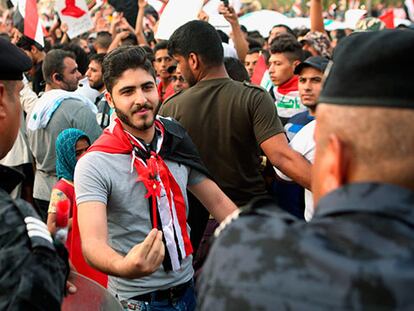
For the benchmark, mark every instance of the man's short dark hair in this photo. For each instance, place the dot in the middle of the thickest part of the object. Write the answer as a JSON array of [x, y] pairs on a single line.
[[287, 45], [82, 59], [97, 58], [254, 50], [26, 43], [162, 45], [103, 39], [236, 69], [288, 29], [122, 59], [54, 63], [200, 38]]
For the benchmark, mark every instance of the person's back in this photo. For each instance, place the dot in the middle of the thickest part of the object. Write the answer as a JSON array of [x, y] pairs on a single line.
[[271, 261], [357, 251], [227, 121]]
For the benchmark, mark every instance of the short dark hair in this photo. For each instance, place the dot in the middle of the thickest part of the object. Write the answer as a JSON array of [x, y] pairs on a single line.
[[200, 38], [26, 43], [103, 39], [236, 69], [81, 57], [54, 63], [288, 29], [162, 45], [288, 45], [122, 59], [97, 58], [254, 50]]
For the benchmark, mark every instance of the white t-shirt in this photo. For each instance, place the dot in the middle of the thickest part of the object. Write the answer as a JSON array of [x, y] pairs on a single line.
[[304, 143]]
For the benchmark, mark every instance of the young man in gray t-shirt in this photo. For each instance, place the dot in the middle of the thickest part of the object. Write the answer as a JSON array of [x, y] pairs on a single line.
[[131, 192]]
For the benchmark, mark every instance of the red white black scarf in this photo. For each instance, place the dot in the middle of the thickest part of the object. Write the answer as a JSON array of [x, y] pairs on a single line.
[[167, 204]]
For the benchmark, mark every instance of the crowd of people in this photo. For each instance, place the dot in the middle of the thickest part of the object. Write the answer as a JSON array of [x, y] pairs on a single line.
[[209, 171]]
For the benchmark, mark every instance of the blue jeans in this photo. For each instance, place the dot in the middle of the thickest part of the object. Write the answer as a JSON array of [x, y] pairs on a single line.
[[186, 302]]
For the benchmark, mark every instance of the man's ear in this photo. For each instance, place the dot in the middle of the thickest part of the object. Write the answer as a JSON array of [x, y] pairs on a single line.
[[295, 63], [193, 61], [337, 163], [3, 109], [108, 98]]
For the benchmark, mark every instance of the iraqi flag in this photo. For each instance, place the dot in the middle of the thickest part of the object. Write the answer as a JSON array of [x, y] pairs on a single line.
[[26, 20], [261, 74]]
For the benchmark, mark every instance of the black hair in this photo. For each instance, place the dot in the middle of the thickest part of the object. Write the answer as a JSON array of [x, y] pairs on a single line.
[[54, 63], [122, 59], [103, 39], [131, 39], [236, 69], [288, 45], [197, 37], [162, 45], [288, 29], [150, 53], [26, 43], [97, 58], [254, 50], [223, 36], [81, 57]]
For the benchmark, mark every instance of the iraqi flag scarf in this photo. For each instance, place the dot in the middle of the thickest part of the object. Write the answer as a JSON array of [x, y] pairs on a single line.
[[166, 201]]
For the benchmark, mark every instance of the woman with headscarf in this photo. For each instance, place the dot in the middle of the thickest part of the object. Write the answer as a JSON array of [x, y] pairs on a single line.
[[71, 144]]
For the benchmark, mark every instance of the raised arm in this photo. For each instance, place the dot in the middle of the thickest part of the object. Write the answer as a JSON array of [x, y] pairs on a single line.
[[240, 43], [139, 29], [316, 17], [143, 259]]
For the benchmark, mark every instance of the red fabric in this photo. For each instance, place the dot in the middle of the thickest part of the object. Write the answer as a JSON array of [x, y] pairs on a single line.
[[115, 140], [259, 70], [168, 91], [289, 86], [388, 19], [73, 243], [31, 19]]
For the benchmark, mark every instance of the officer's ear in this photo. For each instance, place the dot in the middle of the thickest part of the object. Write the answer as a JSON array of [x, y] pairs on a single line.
[[109, 100], [336, 161]]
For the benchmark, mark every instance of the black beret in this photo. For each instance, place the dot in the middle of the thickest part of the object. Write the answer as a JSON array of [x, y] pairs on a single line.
[[13, 61], [372, 69]]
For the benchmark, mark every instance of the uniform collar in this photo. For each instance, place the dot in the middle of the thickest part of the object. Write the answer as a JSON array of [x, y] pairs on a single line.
[[377, 198]]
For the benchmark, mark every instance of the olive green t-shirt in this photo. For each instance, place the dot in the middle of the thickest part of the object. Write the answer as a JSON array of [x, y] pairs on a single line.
[[228, 120]]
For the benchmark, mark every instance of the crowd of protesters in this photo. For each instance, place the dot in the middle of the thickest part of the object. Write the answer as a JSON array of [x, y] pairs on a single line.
[[213, 170]]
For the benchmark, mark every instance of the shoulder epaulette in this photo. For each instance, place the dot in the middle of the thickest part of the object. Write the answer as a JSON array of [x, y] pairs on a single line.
[[172, 96], [248, 84]]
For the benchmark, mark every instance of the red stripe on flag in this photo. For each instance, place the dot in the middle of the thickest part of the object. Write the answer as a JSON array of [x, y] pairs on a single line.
[[259, 70], [31, 19], [388, 19]]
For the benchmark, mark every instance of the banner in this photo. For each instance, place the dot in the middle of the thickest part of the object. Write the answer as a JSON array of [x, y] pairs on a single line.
[[76, 15]]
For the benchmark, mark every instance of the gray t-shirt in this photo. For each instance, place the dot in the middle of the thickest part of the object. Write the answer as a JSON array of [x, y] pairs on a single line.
[[71, 113], [107, 178]]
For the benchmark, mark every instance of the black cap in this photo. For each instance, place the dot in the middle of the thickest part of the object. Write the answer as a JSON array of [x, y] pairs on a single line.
[[13, 61], [317, 62], [372, 69]]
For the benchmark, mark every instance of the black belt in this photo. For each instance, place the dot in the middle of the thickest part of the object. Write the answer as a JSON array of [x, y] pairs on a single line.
[[171, 293]]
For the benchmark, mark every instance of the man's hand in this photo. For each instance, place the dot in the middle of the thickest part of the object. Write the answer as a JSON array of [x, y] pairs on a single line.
[[144, 258], [142, 4], [229, 14]]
